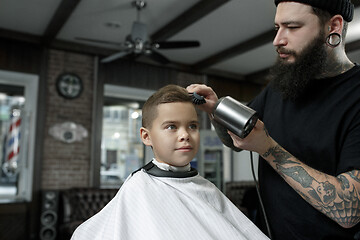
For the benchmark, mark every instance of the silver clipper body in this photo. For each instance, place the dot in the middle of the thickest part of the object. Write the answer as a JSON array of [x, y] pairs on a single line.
[[235, 116]]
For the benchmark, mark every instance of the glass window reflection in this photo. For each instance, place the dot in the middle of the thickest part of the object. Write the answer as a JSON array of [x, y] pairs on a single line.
[[122, 150]]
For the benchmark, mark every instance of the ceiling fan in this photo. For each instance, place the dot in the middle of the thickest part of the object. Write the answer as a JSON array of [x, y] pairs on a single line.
[[138, 43]]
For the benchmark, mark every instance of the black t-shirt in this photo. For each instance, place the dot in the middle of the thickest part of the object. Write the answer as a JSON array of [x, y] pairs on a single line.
[[324, 133]]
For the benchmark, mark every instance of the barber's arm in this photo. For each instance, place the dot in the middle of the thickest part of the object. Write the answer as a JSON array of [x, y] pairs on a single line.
[[336, 197]]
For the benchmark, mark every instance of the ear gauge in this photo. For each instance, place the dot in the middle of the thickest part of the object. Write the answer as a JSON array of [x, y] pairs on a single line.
[[197, 99], [333, 39]]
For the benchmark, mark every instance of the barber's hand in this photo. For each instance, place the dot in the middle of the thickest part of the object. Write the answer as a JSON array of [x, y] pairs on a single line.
[[258, 140], [208, 93]]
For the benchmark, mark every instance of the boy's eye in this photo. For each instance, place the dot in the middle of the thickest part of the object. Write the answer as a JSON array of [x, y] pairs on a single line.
[[171, 127], [193, 126]]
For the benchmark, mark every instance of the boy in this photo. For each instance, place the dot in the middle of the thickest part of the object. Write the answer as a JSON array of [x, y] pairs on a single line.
[[167, 199]]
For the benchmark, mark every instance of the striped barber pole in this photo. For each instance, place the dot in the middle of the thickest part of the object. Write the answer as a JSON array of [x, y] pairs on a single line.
[[13, 144]]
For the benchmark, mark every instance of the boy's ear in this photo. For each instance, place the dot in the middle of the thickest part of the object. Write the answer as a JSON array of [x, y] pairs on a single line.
[[145, 136]]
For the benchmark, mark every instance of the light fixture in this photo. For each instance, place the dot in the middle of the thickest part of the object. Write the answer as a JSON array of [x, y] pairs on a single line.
[[113, 25], [135, 115]]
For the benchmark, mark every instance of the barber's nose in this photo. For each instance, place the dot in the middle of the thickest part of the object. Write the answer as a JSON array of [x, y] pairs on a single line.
[[280, 39]]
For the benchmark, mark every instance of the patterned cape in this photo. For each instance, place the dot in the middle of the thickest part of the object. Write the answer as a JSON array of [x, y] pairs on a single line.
[[164, 208]]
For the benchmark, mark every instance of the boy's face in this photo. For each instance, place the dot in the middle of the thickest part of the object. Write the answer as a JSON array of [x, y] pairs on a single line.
[[174, 134]]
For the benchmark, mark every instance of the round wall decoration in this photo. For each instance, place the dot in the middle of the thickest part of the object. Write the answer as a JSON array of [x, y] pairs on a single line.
[[69, 85]]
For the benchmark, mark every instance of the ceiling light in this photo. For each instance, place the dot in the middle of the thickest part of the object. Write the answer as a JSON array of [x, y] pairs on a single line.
[[135, 115], [113, 25], [116, 135]]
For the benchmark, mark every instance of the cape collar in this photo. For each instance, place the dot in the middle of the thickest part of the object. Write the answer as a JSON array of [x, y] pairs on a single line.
[[154, 170]]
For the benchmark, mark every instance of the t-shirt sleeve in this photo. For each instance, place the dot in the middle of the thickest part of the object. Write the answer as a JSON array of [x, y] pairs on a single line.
[[350, 152]]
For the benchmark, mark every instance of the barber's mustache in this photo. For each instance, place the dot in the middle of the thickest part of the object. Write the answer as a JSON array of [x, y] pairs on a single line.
[[282, 50]]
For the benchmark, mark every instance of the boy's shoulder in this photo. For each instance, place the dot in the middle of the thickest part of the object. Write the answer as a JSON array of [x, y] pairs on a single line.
[[137, 177]]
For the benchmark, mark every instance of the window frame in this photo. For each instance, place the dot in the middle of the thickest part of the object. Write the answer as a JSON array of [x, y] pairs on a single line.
[[30, 82], [132, 94]]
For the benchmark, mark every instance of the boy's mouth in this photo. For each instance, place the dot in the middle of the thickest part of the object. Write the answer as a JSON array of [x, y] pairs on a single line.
[[184, 148]]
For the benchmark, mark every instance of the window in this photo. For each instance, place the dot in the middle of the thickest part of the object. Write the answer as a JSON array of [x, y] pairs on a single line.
[[122, 150], [18, 94]]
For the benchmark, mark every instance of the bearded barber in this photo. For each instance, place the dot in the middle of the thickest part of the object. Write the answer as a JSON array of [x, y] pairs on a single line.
[[308, 138]]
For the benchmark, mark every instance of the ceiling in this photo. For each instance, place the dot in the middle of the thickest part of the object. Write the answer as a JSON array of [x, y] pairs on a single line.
[[235, 35]]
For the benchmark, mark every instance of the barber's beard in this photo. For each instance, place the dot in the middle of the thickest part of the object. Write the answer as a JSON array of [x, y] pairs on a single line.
[[294, 79]]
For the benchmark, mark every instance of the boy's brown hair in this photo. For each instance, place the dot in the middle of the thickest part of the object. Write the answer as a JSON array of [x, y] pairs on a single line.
[[168, 94]]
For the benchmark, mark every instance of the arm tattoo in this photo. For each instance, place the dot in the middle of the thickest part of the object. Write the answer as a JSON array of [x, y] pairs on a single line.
[[322, 195], [323, 192], [298, 174], [346, 211], [355, 175], [266, 132], [341, 203], [281, 157]]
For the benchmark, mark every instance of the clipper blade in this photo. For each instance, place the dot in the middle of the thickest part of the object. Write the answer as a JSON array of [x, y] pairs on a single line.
[[197, 99]]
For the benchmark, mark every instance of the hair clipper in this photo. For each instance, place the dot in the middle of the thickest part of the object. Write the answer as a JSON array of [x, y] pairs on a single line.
[[235, 116]]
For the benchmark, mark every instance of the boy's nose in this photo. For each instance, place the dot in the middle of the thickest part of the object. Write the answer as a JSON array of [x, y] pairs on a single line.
[[184, 136]]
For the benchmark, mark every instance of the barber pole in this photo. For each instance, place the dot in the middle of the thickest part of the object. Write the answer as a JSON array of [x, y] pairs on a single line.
[[12, 144]]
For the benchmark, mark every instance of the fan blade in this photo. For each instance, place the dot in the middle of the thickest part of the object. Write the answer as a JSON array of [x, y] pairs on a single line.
[[158, 57], [114, 57], [139, 31], [176, 44], [97, 41]]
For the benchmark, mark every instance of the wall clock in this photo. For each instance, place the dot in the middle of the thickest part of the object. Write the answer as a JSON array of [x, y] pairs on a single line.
[[69, 85]]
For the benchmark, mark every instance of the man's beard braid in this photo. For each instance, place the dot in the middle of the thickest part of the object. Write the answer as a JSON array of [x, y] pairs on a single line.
[[293, 79]]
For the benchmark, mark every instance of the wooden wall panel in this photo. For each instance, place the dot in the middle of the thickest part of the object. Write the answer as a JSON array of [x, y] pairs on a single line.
[[240, 90], [20, 57], [137, 75], [13, 221], [20, 220]]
